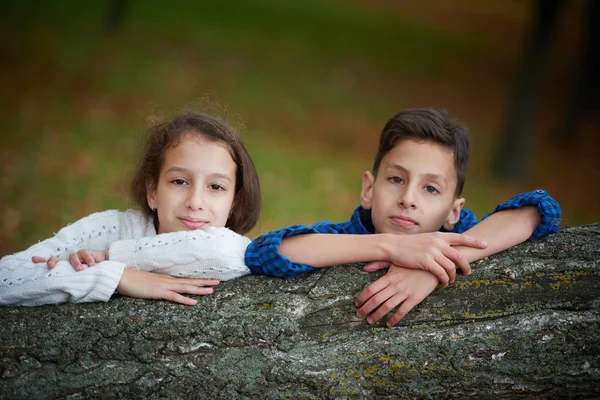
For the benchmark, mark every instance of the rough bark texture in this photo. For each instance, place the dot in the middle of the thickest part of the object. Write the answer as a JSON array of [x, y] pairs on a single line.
[[526, 323]]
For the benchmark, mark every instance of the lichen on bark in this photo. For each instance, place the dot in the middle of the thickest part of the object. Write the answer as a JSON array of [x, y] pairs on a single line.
[[526, 323]]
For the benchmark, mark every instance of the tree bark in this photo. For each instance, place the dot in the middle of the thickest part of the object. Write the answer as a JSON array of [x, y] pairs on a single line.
[[525, 324]]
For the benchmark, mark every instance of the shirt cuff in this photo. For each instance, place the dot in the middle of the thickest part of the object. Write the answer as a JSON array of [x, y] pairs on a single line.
[[262, 255], [548, 209]]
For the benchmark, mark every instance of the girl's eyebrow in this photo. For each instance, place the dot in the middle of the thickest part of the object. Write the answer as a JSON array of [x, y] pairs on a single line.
[[219, 175], [185, 170]]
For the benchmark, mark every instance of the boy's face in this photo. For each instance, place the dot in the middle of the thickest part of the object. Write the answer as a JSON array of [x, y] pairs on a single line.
[[414, 190]]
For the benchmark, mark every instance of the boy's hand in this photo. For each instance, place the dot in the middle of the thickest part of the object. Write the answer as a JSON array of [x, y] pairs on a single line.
[[89, 257], [433, 252], [149, 285], [398, 285]]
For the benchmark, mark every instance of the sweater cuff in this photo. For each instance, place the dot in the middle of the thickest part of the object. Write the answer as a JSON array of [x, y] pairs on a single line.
[[106, 287], [123, 251]]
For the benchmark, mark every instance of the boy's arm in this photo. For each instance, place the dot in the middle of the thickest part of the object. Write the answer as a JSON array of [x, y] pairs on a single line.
[[526, 216], [547, 208], [406, 288], [290, 251]]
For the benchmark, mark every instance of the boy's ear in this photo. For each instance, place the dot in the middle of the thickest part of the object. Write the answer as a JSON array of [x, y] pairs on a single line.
[[454, 214], [151, 193], [366, 194]]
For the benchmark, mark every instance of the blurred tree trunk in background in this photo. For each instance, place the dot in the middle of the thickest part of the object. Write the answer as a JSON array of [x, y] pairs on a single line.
[[514, 156], [115, 15], [586, 83]]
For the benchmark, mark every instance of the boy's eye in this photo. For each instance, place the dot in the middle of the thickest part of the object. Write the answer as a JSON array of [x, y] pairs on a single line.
[[216, 187], [396, 179], [179, 181], [431, 189]]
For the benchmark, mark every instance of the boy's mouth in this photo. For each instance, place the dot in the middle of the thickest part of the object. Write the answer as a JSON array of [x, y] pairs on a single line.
[[403, 221], [193, 223]]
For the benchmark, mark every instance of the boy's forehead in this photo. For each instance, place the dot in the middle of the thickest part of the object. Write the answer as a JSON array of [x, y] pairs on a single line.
[[423, 156]]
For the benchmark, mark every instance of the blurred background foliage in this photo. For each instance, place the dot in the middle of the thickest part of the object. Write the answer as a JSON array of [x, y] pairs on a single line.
[[311, 83]]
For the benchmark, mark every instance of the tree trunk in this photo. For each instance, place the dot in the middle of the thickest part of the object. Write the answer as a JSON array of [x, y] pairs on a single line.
[[526, 323]]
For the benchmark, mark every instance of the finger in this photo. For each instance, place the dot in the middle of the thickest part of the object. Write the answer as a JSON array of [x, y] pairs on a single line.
[[177, 298], [376, 265], [37, 260], [466, 240], [98, 256], [459, 260], [375, 302], [197, 281], [437, 270], [193, 289], [52, 262], [386, 307], [370, 291], [448, 267], [75, 262], [401, 312], [87, 258]]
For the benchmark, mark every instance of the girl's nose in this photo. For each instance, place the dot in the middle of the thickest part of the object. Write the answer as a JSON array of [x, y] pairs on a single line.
[[195, 200]]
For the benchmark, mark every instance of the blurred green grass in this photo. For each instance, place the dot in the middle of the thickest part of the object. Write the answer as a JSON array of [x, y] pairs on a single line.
[[312, 81]]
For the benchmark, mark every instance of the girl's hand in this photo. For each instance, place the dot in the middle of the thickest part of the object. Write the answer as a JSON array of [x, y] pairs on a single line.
[[89, 257], [149, 285], [51, 261]]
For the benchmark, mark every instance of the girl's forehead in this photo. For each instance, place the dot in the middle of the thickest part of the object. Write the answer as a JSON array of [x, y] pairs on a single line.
[[195, 153]]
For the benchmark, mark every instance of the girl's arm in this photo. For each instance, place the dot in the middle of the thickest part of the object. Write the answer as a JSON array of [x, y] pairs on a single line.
[[23, 282], [217, 253], [27, 284]]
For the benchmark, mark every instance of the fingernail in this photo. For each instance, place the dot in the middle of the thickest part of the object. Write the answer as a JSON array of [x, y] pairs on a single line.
[[369, 320], [484, 243]]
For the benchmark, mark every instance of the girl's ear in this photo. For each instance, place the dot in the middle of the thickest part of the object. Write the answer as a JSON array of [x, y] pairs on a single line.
[[366, 194], [454, 214], [151, 193]]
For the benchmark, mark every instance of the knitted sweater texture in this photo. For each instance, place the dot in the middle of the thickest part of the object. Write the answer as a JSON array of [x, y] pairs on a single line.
[[133, 243]]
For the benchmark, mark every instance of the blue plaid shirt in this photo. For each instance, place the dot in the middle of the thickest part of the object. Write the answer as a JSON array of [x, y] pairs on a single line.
[[262, 255]]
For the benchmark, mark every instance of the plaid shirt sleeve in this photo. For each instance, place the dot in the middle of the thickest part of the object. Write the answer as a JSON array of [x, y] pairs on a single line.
[[548, 208], [262, 255]]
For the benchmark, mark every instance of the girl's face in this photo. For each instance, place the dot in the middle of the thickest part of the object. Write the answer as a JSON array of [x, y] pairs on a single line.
[[196, 186]]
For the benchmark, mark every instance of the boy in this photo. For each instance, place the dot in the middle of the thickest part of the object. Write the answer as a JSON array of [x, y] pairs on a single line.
[[414, 188]]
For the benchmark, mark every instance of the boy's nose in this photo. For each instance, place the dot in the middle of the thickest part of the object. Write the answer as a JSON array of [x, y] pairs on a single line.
[[407, 199]]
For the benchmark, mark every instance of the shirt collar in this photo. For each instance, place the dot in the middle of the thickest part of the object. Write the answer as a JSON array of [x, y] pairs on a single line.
[[362, 217]]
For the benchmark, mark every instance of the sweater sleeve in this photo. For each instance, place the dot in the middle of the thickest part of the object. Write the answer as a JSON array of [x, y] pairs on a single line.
[[24, 283], [29, 284], [215, 253]]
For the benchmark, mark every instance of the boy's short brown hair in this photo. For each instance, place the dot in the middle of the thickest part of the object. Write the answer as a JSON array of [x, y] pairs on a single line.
[[427, 124]]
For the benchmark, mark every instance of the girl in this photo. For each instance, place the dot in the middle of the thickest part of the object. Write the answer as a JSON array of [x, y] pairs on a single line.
[[198, 192]]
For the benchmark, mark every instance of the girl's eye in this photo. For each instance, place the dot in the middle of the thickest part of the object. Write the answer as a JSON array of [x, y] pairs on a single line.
[[396, 179], [179, 181], [216, 187], [431, 189]]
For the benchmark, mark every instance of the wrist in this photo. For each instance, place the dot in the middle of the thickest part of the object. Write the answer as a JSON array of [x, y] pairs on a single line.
[[385, 245], [106, 257]]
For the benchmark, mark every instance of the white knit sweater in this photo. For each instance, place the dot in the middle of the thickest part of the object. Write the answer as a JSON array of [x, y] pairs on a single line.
[[133, 243]]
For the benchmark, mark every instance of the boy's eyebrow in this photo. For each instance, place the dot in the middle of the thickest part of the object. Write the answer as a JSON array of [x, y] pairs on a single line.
[[185, 170], [432, 177]]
